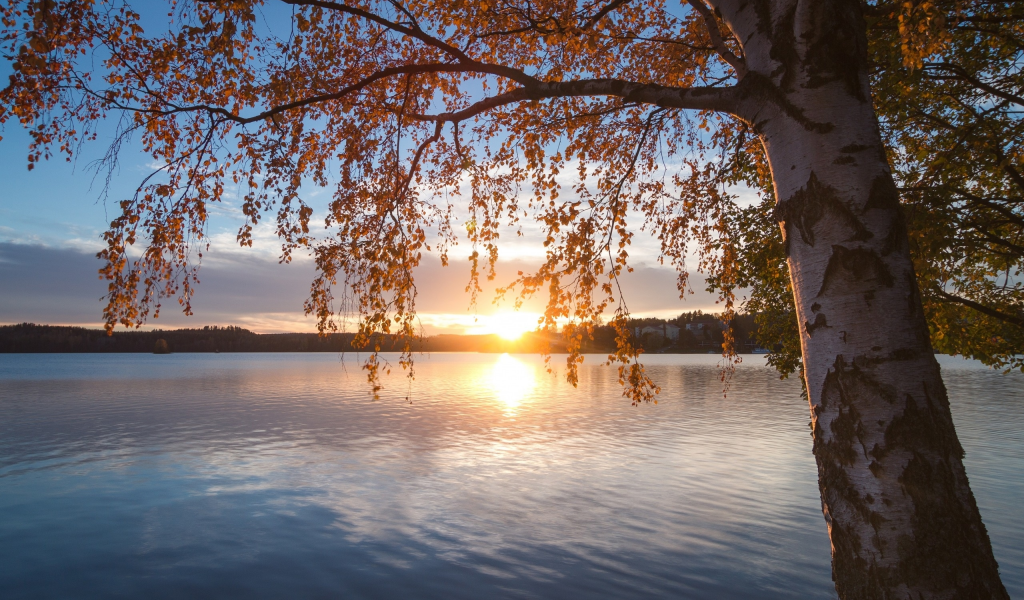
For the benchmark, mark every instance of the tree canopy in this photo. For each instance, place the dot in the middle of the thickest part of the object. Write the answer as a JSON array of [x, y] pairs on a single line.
[[596, 118]]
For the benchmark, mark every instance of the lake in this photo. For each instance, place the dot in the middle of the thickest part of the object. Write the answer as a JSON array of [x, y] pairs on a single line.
[[278, 476]]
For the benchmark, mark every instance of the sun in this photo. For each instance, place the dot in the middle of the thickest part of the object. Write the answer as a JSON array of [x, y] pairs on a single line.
[[512, 325], [513, 380]]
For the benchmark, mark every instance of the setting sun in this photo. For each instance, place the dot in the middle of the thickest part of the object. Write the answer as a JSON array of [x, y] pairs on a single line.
[[513, 380], [512, 325]]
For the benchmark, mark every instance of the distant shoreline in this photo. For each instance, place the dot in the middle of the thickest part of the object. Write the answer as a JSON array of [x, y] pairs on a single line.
[[30, 338]]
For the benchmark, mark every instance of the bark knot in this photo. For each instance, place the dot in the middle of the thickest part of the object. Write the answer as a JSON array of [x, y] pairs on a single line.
[[816, 203], [854, 271]]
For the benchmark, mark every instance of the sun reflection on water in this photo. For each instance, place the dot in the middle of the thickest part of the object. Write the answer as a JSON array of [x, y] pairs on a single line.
[[512, 381]]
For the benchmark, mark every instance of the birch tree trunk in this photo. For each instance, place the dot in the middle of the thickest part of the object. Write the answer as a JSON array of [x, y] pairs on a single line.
[[900, 513]]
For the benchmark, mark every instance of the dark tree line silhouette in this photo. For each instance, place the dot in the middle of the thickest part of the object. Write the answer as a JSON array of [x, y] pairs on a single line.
[[29, 337], [33, 338]]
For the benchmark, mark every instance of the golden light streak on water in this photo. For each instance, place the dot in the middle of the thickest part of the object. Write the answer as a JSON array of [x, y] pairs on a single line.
[[512, 381]]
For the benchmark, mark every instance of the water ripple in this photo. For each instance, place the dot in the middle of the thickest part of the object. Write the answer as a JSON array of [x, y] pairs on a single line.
[[269, 476]]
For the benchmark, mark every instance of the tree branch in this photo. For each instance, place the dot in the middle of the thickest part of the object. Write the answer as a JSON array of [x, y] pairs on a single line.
[[416, 33], [711, 24], [961, 73], [1006, 212], [698, 98], [1019, 322], [226, 115], [1010, 170], [416, 160], [1016, 251], [608, 8]]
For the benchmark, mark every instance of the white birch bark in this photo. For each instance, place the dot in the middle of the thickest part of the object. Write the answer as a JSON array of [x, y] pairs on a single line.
[[901, 516]]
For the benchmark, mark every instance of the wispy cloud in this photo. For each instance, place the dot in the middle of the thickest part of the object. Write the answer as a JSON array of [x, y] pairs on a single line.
[[60, 285]]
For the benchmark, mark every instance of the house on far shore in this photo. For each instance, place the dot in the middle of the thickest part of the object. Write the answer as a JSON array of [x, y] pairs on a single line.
[[716, 325], [666, 331]]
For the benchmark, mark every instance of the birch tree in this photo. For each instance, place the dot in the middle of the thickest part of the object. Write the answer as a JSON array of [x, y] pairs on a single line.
[[952, 125], [654, 107]]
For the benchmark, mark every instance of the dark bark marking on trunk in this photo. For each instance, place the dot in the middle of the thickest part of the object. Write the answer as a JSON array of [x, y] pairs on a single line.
[[847, 385], [941, 539], [904, 354], [922, 428], [916, 309], [945, 529], [819, 322], [941, 536], [837, 45], [853, 271], [896, 239], [899, 354], [846, 379], [938, 536], [813, 203], [854, 148], [756, 90], [844, 160], [783, 41], [883, 194], [783, 48]]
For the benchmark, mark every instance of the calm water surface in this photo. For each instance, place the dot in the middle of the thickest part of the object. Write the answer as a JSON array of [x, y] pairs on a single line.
[[276, 476]]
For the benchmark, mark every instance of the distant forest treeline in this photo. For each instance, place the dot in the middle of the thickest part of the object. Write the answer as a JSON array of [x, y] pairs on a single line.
[[652, 334]]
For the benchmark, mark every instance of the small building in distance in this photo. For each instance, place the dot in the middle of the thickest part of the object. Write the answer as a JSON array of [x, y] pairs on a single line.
[[713, 325], [671, 332], [666, 331]]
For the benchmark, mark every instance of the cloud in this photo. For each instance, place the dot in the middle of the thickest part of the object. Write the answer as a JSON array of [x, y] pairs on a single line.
[[61, 286]]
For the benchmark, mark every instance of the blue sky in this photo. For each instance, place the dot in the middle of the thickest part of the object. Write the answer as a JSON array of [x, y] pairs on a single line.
[[51, 220]]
